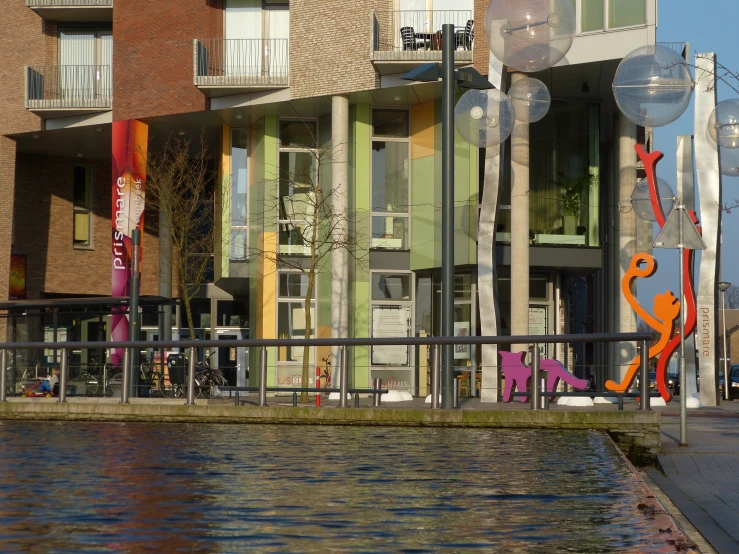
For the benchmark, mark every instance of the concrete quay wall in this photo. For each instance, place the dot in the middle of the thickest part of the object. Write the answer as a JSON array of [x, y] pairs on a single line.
[[636, 433]]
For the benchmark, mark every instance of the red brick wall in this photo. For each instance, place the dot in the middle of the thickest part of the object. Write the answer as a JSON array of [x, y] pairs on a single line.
[[481, 50], [153, 55], [43, 231]]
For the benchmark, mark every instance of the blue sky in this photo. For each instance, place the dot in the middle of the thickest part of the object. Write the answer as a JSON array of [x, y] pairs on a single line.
[[709, 26]]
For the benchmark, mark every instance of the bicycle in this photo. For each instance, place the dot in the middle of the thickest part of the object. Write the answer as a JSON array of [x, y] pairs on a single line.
[[174, 383]]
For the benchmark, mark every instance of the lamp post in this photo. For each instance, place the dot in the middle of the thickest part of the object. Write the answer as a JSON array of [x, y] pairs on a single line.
[[467, 78], [723, 286]]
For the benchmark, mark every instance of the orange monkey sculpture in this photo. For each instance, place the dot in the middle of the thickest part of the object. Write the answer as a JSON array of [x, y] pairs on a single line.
[[666, 312]]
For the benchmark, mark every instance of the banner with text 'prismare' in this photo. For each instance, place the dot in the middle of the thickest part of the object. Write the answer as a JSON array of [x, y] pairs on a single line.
[[129, 186]]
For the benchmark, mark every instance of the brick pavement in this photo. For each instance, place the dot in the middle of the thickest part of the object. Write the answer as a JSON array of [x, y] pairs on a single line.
[[702, 479]]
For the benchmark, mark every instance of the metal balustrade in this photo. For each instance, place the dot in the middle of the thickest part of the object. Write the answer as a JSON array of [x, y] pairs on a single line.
[[416, 34], [68, 87], [68, 3], [242, 62]]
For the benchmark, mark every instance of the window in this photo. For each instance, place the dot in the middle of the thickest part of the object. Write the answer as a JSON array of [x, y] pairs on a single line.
[[297, 186], [291, 315], [232, 313], [622, 13], [82, 209], [85, 59], [239, 198], [392, 308], [591, 15], [390, 179]]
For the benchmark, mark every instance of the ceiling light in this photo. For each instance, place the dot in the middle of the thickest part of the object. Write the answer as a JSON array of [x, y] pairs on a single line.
[[181, 133], [239, 116], [35, 136], [79, 154]]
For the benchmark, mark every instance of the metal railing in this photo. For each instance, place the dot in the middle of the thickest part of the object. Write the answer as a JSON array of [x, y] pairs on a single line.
[[68, 86], [416, 34], [682, 48], [242, 62], [129, 384], [68, 3]]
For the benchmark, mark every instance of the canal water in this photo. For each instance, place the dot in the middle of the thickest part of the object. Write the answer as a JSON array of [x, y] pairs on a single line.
[[105, 487]]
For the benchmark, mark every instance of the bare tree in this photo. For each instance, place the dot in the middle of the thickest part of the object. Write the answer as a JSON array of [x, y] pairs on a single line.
[[731, 298], [315, 227], [180, 185]]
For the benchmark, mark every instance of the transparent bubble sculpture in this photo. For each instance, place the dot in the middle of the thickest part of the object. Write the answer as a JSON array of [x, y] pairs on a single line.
[[484, 118], [652, 86], [530, 35], [730, 162], [643, 205], [530, 99], [723, 125]]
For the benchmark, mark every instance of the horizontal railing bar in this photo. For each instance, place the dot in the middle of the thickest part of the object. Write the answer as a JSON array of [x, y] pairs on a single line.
[[586, 394], [299, 389], [377, 341]]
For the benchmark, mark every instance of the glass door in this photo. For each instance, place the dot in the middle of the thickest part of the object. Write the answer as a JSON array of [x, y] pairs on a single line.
[[76, 64], [242, 47], [276, 50]]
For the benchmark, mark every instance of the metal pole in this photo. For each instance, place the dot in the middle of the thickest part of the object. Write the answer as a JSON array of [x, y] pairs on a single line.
[[683, 378], [535, 391], [435, 376], [191, 377], [343, 386], [376, 396], [727, 382], [263, 376], [63, 376], [125, 373], [133, 312], [447, 213], [543, 378], [644, 377], [3, 376]]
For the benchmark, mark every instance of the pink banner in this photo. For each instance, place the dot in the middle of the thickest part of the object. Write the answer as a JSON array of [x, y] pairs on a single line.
[[129, 185]]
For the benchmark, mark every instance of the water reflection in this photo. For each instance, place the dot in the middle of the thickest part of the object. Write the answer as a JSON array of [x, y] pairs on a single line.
[[225, 488]]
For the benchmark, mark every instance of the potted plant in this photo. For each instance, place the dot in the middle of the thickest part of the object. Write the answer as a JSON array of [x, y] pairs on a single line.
[[572, 198]]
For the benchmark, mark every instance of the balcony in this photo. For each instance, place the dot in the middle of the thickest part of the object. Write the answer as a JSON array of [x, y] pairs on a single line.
[[404, 39], [225, 67], [65, 90], [73, 10]]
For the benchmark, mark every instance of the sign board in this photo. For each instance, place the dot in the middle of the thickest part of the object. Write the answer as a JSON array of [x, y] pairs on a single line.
[[669, 235], [390, 321], [462, 351]]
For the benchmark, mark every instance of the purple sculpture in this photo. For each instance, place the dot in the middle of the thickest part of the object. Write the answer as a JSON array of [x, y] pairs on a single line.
[[517, 375]]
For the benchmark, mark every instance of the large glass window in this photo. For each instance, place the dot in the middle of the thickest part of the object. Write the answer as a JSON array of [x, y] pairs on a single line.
[[239, 189], [232, 313], [297, 201], [82, 209], [390, 179], [291, 315], [622, 13]]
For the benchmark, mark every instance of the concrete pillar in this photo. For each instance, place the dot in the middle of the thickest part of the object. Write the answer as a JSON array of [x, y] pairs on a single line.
[[7, 190], [626, 318], [165, 272], [339, 160], [519, 228]]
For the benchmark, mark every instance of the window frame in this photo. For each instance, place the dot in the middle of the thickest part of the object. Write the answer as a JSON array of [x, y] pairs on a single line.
[[232, 227], [606, 27], [399, 215], [83, 210], [295, 300], [301, 150]]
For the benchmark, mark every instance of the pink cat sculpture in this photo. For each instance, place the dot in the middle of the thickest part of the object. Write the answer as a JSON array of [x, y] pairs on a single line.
[[517, 375]]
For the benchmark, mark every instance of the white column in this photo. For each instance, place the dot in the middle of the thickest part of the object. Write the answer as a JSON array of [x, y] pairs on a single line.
[[519, 228], [340, 204], [625, 353]]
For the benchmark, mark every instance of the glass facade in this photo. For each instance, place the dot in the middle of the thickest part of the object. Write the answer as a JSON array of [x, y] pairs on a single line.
[[390, 179], [82, 206], [297, 201], [239, 188]]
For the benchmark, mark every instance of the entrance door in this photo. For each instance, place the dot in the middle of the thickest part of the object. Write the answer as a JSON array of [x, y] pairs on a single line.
[[232, 361]]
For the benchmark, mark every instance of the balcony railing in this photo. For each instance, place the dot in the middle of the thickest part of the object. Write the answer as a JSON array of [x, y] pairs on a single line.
[[68, 3], [55, 87], [416, 34], [242, 63]]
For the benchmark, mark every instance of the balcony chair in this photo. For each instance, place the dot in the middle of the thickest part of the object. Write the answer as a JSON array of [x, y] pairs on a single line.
[[466, 37], [408, 38]]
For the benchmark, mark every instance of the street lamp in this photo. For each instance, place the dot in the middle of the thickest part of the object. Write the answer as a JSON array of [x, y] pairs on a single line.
[[723, 286], [466, 78]]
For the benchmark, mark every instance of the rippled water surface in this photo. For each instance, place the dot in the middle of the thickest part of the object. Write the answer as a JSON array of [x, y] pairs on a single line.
[[230, 488]]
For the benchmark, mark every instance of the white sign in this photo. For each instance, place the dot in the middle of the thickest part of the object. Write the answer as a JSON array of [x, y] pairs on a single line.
[[462, 351], [390, 321]]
